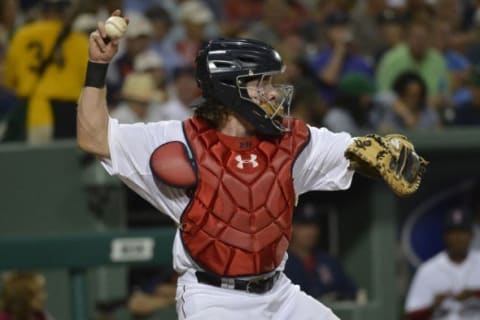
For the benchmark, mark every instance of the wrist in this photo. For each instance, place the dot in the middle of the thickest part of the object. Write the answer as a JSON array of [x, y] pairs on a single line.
[[96, 74]]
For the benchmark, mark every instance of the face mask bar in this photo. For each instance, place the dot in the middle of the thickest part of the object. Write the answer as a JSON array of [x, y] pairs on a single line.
[[274, 99]]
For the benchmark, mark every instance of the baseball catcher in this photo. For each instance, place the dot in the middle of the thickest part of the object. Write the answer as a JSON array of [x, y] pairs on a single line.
[[229, 176]]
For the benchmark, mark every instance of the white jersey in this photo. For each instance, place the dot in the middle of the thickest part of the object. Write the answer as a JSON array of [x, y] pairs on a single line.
[[476, 237], [440, 275], [320, 166]]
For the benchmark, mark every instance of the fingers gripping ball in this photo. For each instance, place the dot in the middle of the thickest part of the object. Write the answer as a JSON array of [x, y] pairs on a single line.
[[115, 27], [392, 157]]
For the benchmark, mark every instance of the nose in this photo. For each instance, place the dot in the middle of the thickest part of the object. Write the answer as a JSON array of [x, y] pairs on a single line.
[[272, 94]]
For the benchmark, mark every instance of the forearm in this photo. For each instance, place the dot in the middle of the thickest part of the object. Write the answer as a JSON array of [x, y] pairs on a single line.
[[404, 113], [331, 72], [92, 114], [92, 122]]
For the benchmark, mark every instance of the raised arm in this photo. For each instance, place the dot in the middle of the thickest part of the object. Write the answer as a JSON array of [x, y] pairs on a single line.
[[92, 114]]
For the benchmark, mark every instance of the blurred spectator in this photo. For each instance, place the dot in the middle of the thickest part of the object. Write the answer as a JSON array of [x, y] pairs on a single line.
[[137, 40], [138, 95], [292, 49], [162, 42], [351, 110], [23, 296], [150, 62], [316, 272], [447, 286], [331, 64], [243, 13], [391, 25], [8, 15], [85, 23], [141, 6], [103, 8], [367, 34], [458, 65], [280, 18], [415, 55], [152, 292], [45, 66], [420, 11], [181, 96], [406, 106], [307, 104], [463, 32], [239, 15], [8, 100], [195, 16], [449, 11], [468, 114], [315, 26]]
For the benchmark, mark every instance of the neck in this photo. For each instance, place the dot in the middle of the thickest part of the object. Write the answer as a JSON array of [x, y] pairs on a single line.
[[417, 57], [457, 258], [236, 127]]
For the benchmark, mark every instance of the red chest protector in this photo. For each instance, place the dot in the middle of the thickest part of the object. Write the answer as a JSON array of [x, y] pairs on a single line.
[[239, 220]]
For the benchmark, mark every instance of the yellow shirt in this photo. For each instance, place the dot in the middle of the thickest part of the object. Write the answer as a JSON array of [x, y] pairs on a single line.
[[64, 77]]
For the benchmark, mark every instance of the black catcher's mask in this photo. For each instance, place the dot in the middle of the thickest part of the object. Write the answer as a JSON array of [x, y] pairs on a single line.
[[225, 66]]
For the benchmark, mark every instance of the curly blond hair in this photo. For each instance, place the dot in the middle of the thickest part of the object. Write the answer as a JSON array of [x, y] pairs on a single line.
[[19, 289]]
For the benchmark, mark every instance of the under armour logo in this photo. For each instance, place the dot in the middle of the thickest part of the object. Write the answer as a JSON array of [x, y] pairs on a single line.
[[252, 161]]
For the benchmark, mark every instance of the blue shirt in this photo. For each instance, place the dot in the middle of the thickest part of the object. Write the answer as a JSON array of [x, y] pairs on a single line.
[[456, 61], [352, 63], [322, 274]]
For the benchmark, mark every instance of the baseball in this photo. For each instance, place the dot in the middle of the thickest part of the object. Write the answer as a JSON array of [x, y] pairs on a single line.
[[115, 27]]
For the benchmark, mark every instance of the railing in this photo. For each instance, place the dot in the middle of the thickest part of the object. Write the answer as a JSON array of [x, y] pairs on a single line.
[[79, 252]]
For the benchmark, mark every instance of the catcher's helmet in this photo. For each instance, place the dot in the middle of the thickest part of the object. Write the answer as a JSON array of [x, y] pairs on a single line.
[[224, 67]]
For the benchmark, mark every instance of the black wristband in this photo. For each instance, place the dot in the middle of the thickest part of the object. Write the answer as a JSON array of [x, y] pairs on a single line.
[[96, 74]]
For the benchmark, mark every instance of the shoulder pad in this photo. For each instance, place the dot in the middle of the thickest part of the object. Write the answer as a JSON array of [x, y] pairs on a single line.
[[171, 164]]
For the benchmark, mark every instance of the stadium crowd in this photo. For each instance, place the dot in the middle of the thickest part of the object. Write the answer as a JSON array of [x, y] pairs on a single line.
[[371, 65]]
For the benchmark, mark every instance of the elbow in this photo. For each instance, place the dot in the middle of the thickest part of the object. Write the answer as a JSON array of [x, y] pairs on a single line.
[[93, 138], [83, 144], [92, 145], [83, 139]]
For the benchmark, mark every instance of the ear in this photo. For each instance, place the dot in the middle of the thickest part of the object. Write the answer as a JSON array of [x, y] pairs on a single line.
[[172, 165]]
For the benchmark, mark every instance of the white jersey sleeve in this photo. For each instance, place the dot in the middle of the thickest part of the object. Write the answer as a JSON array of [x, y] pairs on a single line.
[[131, 146], [322, 165], [421, 294]]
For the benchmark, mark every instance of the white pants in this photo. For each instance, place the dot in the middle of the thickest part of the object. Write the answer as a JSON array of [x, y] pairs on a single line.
[[285, 301]]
